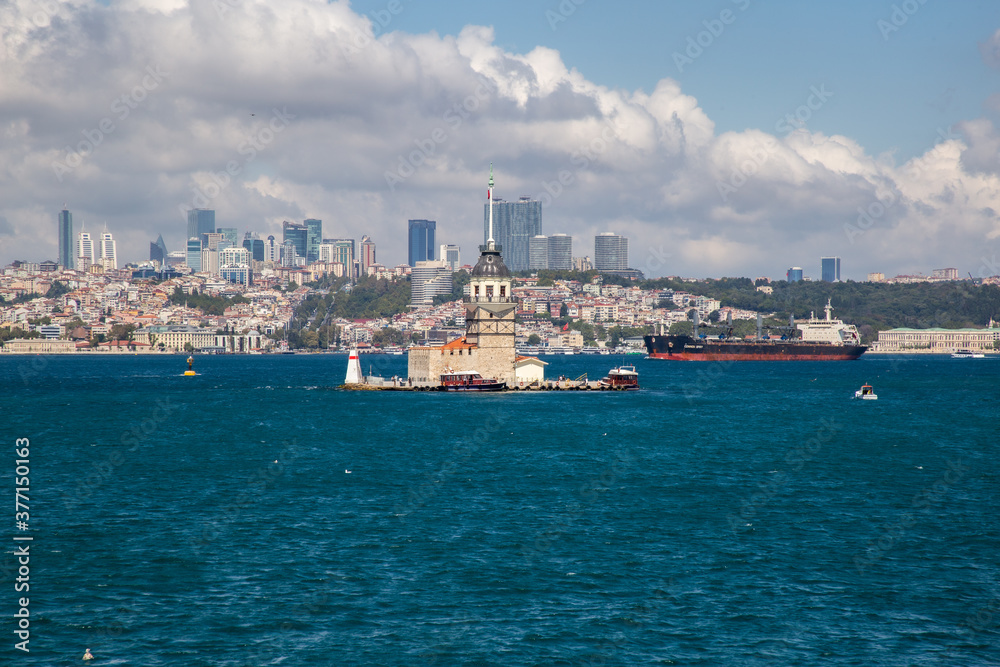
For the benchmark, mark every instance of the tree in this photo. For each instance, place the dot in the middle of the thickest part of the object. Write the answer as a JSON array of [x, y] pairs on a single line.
[[534, 339], [292, 286], [188, 347], [563, 311], [388, 336]]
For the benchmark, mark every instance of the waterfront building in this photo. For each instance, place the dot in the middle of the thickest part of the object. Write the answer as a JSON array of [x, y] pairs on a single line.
[[610, 252], [488, 344], [514, 224], [200, 221], [109, 252], [538, 252], [429, 279], [314, 236], [830, 269], [561, 252], [794, 274], [67, 255], [420, 241], [299, 236], [938, 340]]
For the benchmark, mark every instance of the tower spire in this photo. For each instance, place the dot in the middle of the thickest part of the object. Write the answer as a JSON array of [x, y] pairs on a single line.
[[489, 193]]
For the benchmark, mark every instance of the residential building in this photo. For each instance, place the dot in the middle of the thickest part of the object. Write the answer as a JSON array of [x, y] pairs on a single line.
[[538, 252], [560, 252], [610, 252], [514, 224], [84, 251], [66, 250], [945, 274], [420, 241], [234, 266], [367, 254], [109, 252], [878, 277], [830, 269]]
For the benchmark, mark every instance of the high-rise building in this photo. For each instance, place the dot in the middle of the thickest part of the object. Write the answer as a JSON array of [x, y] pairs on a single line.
[[945, 274], [341, 250], [84, 251], [538, 252], [561, 252], [367, 254], [254, 245], [299, 235], [314, 236], [230, 235], [158, 251], [794, 274], [429, 279], [830, 269], [234, 265], [201, 221], [610, 252], [272, 251], [420, 241], [290, 254], [194, 253], [66, 251], [582, 264], [514, 223], [109, 252], [451, 254]]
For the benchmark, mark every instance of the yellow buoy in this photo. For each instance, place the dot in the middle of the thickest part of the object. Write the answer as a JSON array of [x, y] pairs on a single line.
[[190, 370]]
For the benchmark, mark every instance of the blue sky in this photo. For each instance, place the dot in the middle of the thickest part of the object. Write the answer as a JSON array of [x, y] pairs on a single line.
[[890, 94]]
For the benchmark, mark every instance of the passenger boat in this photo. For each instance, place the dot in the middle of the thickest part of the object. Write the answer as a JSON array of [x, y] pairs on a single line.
[[866, 393], [967, 354], [469, 381], [621, 377]]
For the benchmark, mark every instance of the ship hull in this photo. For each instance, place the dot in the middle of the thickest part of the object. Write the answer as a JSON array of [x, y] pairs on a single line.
[[686, 348]]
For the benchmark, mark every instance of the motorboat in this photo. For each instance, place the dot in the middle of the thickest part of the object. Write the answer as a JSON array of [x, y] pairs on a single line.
[[469, 381], [967, 354], [866, 393], [621, 377]]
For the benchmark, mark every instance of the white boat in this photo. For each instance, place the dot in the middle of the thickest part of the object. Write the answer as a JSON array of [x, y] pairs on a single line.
[[866, 393], [967, 354]]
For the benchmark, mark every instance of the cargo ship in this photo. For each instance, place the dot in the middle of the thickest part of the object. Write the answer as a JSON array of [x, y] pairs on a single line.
[[812, 340]]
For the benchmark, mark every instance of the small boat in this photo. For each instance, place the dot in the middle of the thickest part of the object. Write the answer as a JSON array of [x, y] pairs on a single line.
[[967, 354], [621, 377], [866, 392], [469, 381]]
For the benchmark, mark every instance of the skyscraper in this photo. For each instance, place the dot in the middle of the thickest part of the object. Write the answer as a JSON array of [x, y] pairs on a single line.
[[561, 252], [610, 252], [538, 252], [420, 241], [314, 235], [794, 274], [234, 265], [201, 221], [272, 252], [451, 254], [514, 223], [194, 254], [230, 234], [830, 269], [66, 250], [158, 251], [429, 279], [84, 250], [109, 252], [367, 254], [255, 245], [299, 235]]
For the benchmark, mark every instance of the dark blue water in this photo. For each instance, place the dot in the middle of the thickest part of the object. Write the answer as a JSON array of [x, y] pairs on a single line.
[[742, 514]]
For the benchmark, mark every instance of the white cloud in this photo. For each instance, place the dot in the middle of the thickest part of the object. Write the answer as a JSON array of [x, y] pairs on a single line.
[[173, 95]]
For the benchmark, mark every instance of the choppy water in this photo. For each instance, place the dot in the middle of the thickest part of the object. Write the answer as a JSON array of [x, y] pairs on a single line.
[[742, 514]]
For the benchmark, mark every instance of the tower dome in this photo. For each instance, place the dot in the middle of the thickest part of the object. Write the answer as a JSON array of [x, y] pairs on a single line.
[[490, 264]]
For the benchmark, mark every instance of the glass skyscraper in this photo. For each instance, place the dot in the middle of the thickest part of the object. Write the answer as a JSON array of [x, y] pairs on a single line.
[[610, 252], [201, 221], [561, 252], [514, 224], [194, 254], [158, 251], [314, 235], [66, 252], [794, 274], [420, 241], [298, 235], [831, 269]]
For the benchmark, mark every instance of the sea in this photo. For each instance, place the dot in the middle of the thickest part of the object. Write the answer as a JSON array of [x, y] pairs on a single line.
[[742, 513]]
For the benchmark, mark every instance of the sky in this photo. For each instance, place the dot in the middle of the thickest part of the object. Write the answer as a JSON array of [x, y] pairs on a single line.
[[723, 138]]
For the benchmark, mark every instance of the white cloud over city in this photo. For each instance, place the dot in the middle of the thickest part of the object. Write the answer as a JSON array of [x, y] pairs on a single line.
[[272, 111]]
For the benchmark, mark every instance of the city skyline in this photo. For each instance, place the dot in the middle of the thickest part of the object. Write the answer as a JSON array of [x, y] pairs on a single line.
[[714, 156]]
